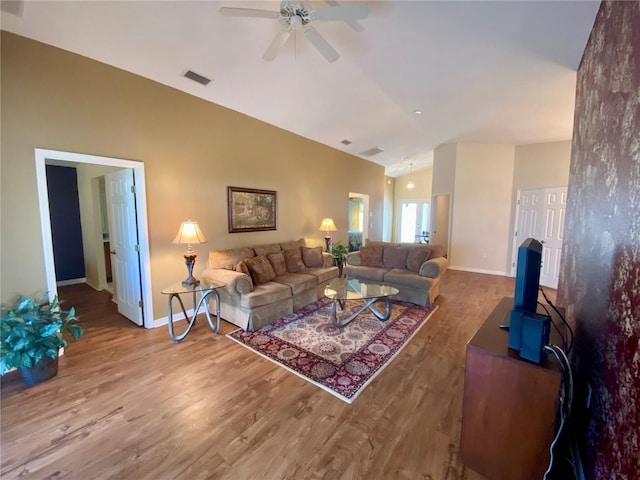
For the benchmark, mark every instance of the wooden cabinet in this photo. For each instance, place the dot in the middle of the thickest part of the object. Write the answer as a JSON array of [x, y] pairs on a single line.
[[509, 406]]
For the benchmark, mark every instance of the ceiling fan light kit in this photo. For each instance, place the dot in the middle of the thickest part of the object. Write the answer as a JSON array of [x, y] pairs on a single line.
[[298, 15]]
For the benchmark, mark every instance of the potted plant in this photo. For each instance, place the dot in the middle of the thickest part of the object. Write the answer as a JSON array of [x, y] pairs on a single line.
[[32, 334], [339, 254]]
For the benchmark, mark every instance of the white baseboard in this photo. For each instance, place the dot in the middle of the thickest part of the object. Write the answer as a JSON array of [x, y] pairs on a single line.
[[73, 281], [177, 317], [479, 270]]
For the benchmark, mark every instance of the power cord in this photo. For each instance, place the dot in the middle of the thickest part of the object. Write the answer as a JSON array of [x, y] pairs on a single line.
[[570, 343], [562, 335], [566, 396]]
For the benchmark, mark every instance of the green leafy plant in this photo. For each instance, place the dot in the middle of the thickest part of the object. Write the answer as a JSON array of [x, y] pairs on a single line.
[[35, 328], [339, 251]]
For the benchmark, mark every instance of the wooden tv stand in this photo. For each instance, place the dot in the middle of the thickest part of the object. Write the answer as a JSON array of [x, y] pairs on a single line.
[[510, 404]]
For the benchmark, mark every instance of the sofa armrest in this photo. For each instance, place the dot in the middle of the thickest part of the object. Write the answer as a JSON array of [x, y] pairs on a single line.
[[327, 260], [236, 283], [434, 267], [354, 259]]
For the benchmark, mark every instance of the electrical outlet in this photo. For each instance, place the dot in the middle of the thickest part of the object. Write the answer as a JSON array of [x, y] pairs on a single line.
[[589, 392]]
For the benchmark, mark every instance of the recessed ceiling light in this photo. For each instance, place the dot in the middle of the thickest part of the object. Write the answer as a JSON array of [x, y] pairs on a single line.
[[418, 112]]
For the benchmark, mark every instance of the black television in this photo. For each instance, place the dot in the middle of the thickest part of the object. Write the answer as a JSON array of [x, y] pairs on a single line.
[[528, 330]]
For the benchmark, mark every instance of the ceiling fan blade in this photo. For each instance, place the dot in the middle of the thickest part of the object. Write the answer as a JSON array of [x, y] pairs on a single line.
[[248, 12], [321, 44], [353, 24], [280, 39], [356, 11]]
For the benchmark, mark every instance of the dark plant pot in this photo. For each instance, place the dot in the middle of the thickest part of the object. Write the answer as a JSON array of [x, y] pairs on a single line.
[[43, 370]]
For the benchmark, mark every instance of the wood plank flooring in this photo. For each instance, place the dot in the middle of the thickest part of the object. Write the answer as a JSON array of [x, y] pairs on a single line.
[[130, 404]]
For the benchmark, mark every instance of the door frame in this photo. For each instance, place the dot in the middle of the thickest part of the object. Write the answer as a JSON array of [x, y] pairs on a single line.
[[41, 156]]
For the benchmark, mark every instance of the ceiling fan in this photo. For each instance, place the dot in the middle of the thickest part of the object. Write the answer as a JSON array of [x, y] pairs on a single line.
[[298, 15]]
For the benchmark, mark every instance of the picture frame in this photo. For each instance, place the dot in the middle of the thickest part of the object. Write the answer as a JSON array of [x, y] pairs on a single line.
[[251, 210]]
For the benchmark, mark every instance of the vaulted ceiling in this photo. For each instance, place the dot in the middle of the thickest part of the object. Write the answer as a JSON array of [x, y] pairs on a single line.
[[479, 71]]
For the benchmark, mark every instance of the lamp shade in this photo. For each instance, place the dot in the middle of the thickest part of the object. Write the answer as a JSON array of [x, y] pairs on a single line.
[[189, 233], [327, 225]]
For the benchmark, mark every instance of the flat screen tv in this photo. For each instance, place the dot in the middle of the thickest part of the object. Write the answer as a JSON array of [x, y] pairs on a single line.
[[528, 330], [528, 276]]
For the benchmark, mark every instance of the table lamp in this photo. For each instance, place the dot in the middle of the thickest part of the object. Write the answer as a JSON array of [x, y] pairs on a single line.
[[327, 226], [188, 234]]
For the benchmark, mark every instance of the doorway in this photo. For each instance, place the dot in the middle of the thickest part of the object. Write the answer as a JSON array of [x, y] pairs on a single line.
[[540, 214], [43, 156], [358, 220]]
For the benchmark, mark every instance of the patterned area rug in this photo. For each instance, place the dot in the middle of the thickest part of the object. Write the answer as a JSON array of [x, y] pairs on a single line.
[[342, 361]]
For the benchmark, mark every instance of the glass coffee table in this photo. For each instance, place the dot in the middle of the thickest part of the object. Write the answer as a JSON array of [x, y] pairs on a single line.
[[204, 288], [342, 289]]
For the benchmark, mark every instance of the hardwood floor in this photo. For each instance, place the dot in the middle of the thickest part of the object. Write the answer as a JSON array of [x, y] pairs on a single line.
[[130, 404]]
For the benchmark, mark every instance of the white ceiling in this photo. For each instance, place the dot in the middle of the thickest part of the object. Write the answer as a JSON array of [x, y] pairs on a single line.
[[488, 72]]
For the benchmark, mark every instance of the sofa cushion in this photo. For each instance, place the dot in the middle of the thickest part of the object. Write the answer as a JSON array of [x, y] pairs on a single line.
[[372, 256], [228, 259], [293, 259], [261, 269], [394, 257], [241, 267], [267, 249], [312, 257], [289, 245], [371, 274], [416, 257], [298, 282], [278, 263], [407, 278], [322, 274], [265, 294]]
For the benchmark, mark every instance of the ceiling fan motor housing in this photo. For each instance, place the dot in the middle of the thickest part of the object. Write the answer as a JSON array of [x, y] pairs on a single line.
[[290, 10]]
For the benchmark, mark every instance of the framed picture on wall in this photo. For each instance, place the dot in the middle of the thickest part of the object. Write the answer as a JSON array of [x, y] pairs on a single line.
[[251, 210]]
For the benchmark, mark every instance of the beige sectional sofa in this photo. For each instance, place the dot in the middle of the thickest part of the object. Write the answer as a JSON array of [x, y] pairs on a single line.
[[414, 269], [266, 282]]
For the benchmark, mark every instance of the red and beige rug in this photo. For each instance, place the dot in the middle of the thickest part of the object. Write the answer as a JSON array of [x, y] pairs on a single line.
[[341, 361]]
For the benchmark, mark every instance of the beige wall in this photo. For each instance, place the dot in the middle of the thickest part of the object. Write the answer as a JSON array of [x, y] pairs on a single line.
[[389, 212], [542, 165], [482, 207], [444, 168], [192, 151]]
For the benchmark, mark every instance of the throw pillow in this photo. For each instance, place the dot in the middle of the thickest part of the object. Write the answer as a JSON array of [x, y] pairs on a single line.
[[278, 263], [241, 267], [416, 257], [371, 256], [293, 259], [260, 268], [395, 257], [312, 257]]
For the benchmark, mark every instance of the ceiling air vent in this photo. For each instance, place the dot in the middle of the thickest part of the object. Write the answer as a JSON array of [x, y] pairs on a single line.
[[197, 78], [346, 142], [372, 151]]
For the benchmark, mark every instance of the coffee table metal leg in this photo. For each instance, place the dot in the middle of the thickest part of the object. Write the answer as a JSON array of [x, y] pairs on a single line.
[[368, 304], [215, 328], [178, 338]]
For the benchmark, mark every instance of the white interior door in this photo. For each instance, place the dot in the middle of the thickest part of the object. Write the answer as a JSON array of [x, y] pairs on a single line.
[[124, 243], [540, 214], [555, 204]]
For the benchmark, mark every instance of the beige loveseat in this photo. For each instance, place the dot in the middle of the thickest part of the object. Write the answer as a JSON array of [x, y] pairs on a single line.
[[414, 269], [267, 282]]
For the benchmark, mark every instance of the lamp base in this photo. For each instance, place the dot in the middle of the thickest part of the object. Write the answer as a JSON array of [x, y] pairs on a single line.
[[327, 239], [190, 260]]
